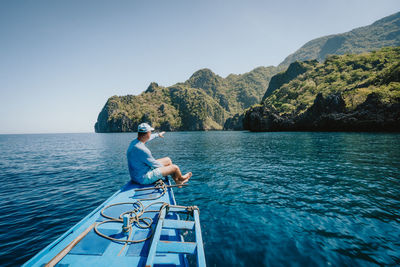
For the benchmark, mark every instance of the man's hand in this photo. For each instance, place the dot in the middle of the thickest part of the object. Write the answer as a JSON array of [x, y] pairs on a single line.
[[161, 134]]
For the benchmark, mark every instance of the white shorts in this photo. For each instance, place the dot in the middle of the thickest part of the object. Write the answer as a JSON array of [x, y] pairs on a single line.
[[151, 176]]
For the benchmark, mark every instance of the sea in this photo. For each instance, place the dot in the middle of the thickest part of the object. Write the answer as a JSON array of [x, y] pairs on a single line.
[[265, 199]]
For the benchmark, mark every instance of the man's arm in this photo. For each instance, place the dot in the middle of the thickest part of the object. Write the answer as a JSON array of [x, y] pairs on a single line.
[[155, 135], [150, 161]]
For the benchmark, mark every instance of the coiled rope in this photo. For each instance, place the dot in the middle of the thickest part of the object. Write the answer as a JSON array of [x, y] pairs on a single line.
[[136, 214]]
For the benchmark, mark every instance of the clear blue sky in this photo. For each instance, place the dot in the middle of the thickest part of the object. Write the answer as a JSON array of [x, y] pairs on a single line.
[[61, 60]]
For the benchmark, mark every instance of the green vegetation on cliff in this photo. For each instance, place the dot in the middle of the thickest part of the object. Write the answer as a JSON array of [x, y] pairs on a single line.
[[346, 90], [203, 102], [294, 70], [354, 76], [207, 101], [382, 33]]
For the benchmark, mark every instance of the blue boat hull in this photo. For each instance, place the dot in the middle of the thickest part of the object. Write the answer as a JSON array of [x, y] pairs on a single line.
[[94, 250]]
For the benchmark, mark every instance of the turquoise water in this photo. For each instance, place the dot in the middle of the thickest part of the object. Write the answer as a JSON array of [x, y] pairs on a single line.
[[265, 199]]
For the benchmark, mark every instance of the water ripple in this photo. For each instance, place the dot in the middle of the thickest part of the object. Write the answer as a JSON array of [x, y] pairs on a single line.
[[266, 199]]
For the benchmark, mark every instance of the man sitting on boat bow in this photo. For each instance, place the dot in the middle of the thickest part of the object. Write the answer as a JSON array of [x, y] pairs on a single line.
[[143, 168]]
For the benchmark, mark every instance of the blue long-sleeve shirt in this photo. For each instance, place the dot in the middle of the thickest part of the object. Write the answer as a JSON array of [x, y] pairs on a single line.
[[140, 160]]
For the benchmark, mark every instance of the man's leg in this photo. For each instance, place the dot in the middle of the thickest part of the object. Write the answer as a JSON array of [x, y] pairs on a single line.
[[165, 161], [176, 174]]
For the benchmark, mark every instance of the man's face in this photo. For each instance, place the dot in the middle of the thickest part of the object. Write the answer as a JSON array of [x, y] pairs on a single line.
[[148, 134]]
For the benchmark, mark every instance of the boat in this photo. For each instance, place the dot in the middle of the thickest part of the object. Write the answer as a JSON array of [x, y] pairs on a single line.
[[139, 225]]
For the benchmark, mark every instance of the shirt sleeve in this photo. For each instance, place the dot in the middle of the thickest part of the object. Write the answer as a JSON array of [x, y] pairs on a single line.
[[150, 161], [152, 136]]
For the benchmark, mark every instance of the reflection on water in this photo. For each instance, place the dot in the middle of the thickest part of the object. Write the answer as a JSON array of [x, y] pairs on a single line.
[[265, 198]]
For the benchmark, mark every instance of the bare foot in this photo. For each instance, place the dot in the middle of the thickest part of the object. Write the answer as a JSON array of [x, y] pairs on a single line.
[[186, 176], [184, 179]]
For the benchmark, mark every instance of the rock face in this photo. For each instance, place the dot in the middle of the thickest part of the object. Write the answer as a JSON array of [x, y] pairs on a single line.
[[329, 114], [234, 123], [120, 123], [263, 119], [321, 115], [373, 115]]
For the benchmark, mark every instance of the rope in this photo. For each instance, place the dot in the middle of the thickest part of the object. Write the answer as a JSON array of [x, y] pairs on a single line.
[[136, 215]]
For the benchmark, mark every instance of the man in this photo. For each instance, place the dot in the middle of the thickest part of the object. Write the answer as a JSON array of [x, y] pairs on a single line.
[[143, 168]]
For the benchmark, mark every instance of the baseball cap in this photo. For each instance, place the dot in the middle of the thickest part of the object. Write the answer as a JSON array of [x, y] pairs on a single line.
[[144, 128]]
